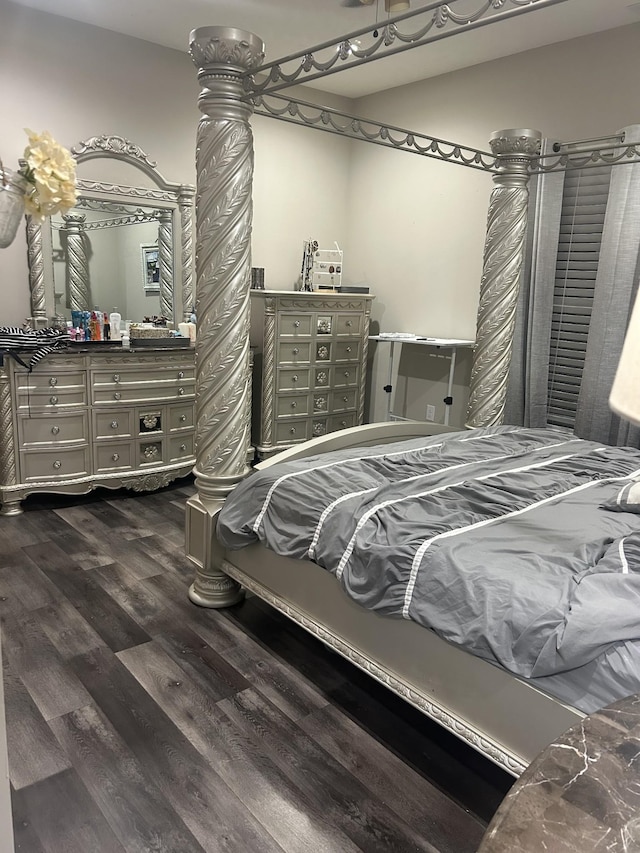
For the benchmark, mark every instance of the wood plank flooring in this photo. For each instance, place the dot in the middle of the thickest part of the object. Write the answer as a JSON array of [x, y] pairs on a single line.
[[139, 722]]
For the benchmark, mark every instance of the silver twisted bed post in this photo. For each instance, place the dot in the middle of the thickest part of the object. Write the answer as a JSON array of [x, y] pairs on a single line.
[[502, 266], [224, 164]]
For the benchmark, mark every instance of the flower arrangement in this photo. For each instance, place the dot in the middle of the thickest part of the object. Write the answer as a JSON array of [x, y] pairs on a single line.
[[51, 171]]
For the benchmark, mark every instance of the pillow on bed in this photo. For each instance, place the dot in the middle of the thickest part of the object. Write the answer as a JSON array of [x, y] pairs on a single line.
[[627, 499]]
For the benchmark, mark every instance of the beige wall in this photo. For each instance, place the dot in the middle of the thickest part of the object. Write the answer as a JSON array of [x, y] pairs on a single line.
[[79, 81], [417, 225], [412, 228]]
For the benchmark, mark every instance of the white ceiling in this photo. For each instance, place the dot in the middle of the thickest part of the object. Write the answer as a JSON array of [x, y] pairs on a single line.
[[289, 26]]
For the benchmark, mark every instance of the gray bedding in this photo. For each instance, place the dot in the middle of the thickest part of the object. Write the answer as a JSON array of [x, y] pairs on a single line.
[[497, 539]]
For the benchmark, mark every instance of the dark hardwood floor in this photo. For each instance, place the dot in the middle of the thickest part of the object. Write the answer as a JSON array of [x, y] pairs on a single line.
[[139, 722]]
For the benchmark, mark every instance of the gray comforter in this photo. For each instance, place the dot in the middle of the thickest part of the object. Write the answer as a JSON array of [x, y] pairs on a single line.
[[497, 539]]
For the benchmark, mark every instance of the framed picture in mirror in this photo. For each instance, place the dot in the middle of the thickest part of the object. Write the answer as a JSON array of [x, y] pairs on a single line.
[[150, 267]]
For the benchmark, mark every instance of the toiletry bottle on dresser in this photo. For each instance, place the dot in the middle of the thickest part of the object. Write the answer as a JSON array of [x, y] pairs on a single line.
[[115, 320], [106, 333]]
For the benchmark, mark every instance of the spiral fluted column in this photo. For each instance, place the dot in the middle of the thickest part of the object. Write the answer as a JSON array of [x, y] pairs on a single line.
[[36, 274], [503, 256], [77, 262], [185, 204], [165, 261], [224, 167]]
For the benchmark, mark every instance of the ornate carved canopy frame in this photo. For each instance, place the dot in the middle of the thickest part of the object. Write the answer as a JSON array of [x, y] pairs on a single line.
[[235, 84]]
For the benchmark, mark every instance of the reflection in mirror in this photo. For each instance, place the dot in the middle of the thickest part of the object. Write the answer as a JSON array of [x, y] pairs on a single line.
[[122, 246]]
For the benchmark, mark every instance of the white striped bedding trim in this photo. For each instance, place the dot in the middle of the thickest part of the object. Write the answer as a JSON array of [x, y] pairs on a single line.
[[302, 473], [417, 560], [375, 509], [623, 556]]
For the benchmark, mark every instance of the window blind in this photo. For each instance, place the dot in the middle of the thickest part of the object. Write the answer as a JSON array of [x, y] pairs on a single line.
[[584, 204]]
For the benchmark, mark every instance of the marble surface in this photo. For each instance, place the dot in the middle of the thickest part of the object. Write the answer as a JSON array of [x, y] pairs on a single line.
[[582, 793]]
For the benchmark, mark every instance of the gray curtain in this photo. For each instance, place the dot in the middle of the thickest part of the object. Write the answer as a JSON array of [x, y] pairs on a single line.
[[526, 400], [616, 283], [615, 287]]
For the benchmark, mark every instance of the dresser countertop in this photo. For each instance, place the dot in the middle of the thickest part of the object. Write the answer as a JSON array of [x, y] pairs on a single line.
[[581, 794]]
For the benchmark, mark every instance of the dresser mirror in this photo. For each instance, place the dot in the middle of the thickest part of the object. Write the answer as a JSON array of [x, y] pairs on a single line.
[[128, 243]]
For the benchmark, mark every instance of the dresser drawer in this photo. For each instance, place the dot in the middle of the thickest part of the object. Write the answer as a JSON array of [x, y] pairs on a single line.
[[47, 429], [56, 464], [347, 351], [150, 452], [293, 380], [159, 391], [50, 380], [292, 405], [52, 400], [345, 375], [181, 417], [349, 324], [342, 400], [181, 447], [294, 352], [117, 423], [294, 324], [114, 456], [289, 432], [126, 375]]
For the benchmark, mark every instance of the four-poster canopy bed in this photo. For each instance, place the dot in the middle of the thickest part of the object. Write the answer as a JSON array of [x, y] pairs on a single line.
[[503, 716]]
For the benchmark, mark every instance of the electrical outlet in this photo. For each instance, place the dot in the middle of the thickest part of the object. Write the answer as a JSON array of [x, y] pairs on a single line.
[[431, 413]]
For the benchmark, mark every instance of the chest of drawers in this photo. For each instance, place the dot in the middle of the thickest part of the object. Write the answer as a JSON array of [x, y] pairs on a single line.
[[310, 356], [85, 419]]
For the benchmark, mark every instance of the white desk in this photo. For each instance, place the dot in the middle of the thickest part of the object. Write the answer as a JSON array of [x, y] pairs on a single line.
[[450, 344]]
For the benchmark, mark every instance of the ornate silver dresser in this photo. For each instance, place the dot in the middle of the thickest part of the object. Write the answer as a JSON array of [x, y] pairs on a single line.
[[99, 417], [310, 356]]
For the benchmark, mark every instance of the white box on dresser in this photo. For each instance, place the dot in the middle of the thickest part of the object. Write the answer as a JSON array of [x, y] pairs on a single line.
[[96, 417], [310, 357]]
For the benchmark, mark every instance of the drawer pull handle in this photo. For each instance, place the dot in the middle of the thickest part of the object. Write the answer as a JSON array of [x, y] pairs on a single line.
[[53, 381], [345, 399], [180, 391], [294, 378], [55, 430], [114, 424], [183, 447], [347, 374], [349, 323], [343, 423], [348, 349], [116, 377], [181, 374], [292, 430], [294, 405], [53, 400], [117, 395], [115, 457], [296, 324], [183, 418], [296, 350], [57, 464]]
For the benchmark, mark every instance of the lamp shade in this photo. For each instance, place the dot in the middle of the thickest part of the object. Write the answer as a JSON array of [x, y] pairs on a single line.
[[625, 394]]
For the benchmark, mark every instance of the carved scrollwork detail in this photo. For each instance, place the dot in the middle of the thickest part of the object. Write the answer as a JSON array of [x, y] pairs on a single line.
[[527, 143], [221, 46], [110, 145], [151, 482]]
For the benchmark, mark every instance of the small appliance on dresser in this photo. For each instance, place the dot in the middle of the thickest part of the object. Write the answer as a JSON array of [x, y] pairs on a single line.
[[310, 357]]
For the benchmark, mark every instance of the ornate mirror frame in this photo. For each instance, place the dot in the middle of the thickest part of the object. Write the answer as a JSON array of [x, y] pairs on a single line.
[[173, 203]]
